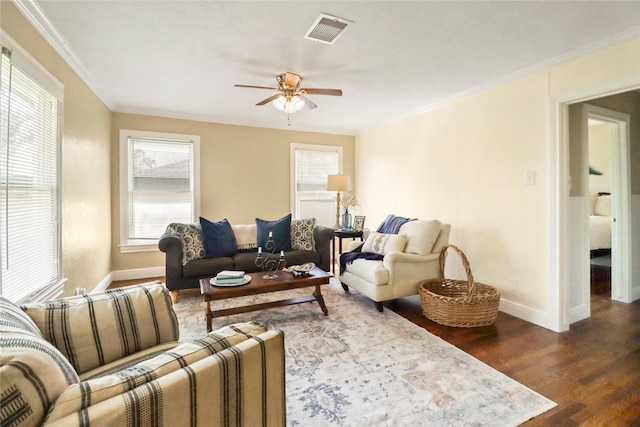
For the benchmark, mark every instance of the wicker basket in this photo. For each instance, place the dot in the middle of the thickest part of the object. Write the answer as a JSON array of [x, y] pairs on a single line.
[[461, 303]]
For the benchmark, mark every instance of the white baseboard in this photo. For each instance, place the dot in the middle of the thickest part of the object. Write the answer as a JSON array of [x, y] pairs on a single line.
[[529, 314], [104, 283], [579, 313], [137, 273]]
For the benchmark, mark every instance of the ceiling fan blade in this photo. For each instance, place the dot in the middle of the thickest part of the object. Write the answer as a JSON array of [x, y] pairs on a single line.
[[292, 80], [308, 102], [333, 92], [269, 99], [256, 87]]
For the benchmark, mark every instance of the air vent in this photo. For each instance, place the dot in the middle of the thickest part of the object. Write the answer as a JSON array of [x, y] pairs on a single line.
[[327, 29]]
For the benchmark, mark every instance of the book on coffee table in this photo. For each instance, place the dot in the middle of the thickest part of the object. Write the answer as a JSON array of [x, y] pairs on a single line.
[[218, 281], [230, 274]]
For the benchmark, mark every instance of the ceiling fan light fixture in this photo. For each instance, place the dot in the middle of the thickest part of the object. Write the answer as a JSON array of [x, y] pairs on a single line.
[[295, 103]]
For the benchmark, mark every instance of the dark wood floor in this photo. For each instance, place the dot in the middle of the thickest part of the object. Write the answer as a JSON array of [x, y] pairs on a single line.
[[592, 371]]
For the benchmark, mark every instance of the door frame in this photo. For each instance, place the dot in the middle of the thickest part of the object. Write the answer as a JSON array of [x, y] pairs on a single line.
[[558, 189], [620, 201]]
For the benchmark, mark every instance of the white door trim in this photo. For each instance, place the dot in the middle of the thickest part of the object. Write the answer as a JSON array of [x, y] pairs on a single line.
[[620, 206], [558, 190]]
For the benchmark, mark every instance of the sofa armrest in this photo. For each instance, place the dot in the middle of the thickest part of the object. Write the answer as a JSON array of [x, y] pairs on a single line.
[[171, 245], [323, 237], [170, 242], [400, 257], [249, 373], [411, 268]]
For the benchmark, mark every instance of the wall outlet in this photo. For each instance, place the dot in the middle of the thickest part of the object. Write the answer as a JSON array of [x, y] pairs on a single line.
[[530, 178]]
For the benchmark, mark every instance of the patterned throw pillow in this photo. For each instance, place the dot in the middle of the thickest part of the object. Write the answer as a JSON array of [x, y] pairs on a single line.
[[302, 234], [33, 373], [382, 244], [192, 240]]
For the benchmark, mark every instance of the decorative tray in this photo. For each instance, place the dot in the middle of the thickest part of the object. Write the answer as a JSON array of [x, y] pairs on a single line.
[[302, 269], [245, 280]]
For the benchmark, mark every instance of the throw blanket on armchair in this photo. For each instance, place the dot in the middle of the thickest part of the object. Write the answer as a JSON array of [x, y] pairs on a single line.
[[390, 225]]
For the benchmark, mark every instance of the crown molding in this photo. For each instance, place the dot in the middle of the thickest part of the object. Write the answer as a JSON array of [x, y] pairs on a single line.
[[36, 17], [549, 63]]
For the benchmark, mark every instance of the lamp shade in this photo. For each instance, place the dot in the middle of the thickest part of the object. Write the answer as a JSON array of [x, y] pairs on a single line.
[[290, 105], [338, 183]]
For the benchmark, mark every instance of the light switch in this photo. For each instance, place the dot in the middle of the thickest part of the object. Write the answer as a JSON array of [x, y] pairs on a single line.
[[530, 178]]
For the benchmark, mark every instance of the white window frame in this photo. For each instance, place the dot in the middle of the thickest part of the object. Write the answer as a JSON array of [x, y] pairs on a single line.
[[292, 168], [129, 245], [34, 70]]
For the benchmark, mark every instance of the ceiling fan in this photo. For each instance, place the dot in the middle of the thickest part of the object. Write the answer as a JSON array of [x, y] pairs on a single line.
[[291, 97]]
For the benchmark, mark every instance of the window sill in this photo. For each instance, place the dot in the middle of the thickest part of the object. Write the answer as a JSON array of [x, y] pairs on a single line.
[[139, 247]]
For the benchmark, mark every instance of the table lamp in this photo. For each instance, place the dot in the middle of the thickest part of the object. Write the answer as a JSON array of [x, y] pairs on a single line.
[[338, 183]]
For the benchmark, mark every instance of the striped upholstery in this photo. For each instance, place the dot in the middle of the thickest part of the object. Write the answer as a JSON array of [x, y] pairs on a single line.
[[242, 385], [130, 360], [32, 371], [144, 377], [203, 346], [230, 377], [92, 330]]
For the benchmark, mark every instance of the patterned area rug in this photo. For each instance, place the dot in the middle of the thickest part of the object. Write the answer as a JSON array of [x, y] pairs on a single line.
[[358, 367]]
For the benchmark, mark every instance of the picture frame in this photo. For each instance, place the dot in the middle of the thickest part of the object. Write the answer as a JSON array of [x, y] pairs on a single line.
[[358, 223]]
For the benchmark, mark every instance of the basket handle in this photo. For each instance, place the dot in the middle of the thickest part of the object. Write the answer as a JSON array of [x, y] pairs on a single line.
[[465, 264]]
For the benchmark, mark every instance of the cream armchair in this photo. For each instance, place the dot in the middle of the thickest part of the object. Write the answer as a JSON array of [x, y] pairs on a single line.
[[410, 257]]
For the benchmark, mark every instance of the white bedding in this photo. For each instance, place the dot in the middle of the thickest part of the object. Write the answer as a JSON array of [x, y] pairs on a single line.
[[600, 232]]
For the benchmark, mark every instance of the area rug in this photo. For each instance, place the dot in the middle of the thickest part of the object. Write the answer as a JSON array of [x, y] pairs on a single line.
[[359, 367]]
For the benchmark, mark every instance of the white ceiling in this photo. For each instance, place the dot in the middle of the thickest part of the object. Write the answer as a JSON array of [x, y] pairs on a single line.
[[182, 58]]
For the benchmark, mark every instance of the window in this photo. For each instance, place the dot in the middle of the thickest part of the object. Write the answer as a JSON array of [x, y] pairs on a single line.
[[310, 166], [30, 127], [159, 184]]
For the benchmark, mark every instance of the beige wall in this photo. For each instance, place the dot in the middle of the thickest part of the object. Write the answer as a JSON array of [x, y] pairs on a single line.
[[465, 163], [86, 187], [244, 172]]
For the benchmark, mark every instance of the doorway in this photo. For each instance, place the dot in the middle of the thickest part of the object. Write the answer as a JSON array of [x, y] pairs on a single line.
[[600, 142], [613, 207], [568, 201]]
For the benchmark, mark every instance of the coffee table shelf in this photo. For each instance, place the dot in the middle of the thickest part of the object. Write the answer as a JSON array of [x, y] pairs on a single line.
[[285, 281]]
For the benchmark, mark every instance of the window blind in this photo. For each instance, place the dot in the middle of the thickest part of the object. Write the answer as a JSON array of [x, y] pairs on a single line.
[[29, 194], [311, 198], [161, 186], [312, 168]]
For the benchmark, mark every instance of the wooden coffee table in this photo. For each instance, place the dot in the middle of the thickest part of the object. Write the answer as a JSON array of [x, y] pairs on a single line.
[[258, 285]]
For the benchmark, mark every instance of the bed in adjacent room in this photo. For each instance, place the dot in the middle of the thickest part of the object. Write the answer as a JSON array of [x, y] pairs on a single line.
[[600, 221]]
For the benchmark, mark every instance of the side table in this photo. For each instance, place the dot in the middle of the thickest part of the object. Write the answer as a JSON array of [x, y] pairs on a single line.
[[342, 234]]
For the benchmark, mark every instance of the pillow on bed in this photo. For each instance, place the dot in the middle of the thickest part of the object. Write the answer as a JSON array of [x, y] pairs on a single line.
[[602, 206]]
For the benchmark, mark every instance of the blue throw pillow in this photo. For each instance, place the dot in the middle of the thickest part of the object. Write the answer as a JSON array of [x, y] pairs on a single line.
[[219, 239], [281, 229]]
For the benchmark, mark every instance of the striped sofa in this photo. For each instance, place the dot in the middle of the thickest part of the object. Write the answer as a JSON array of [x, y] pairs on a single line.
[[113, 359]]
